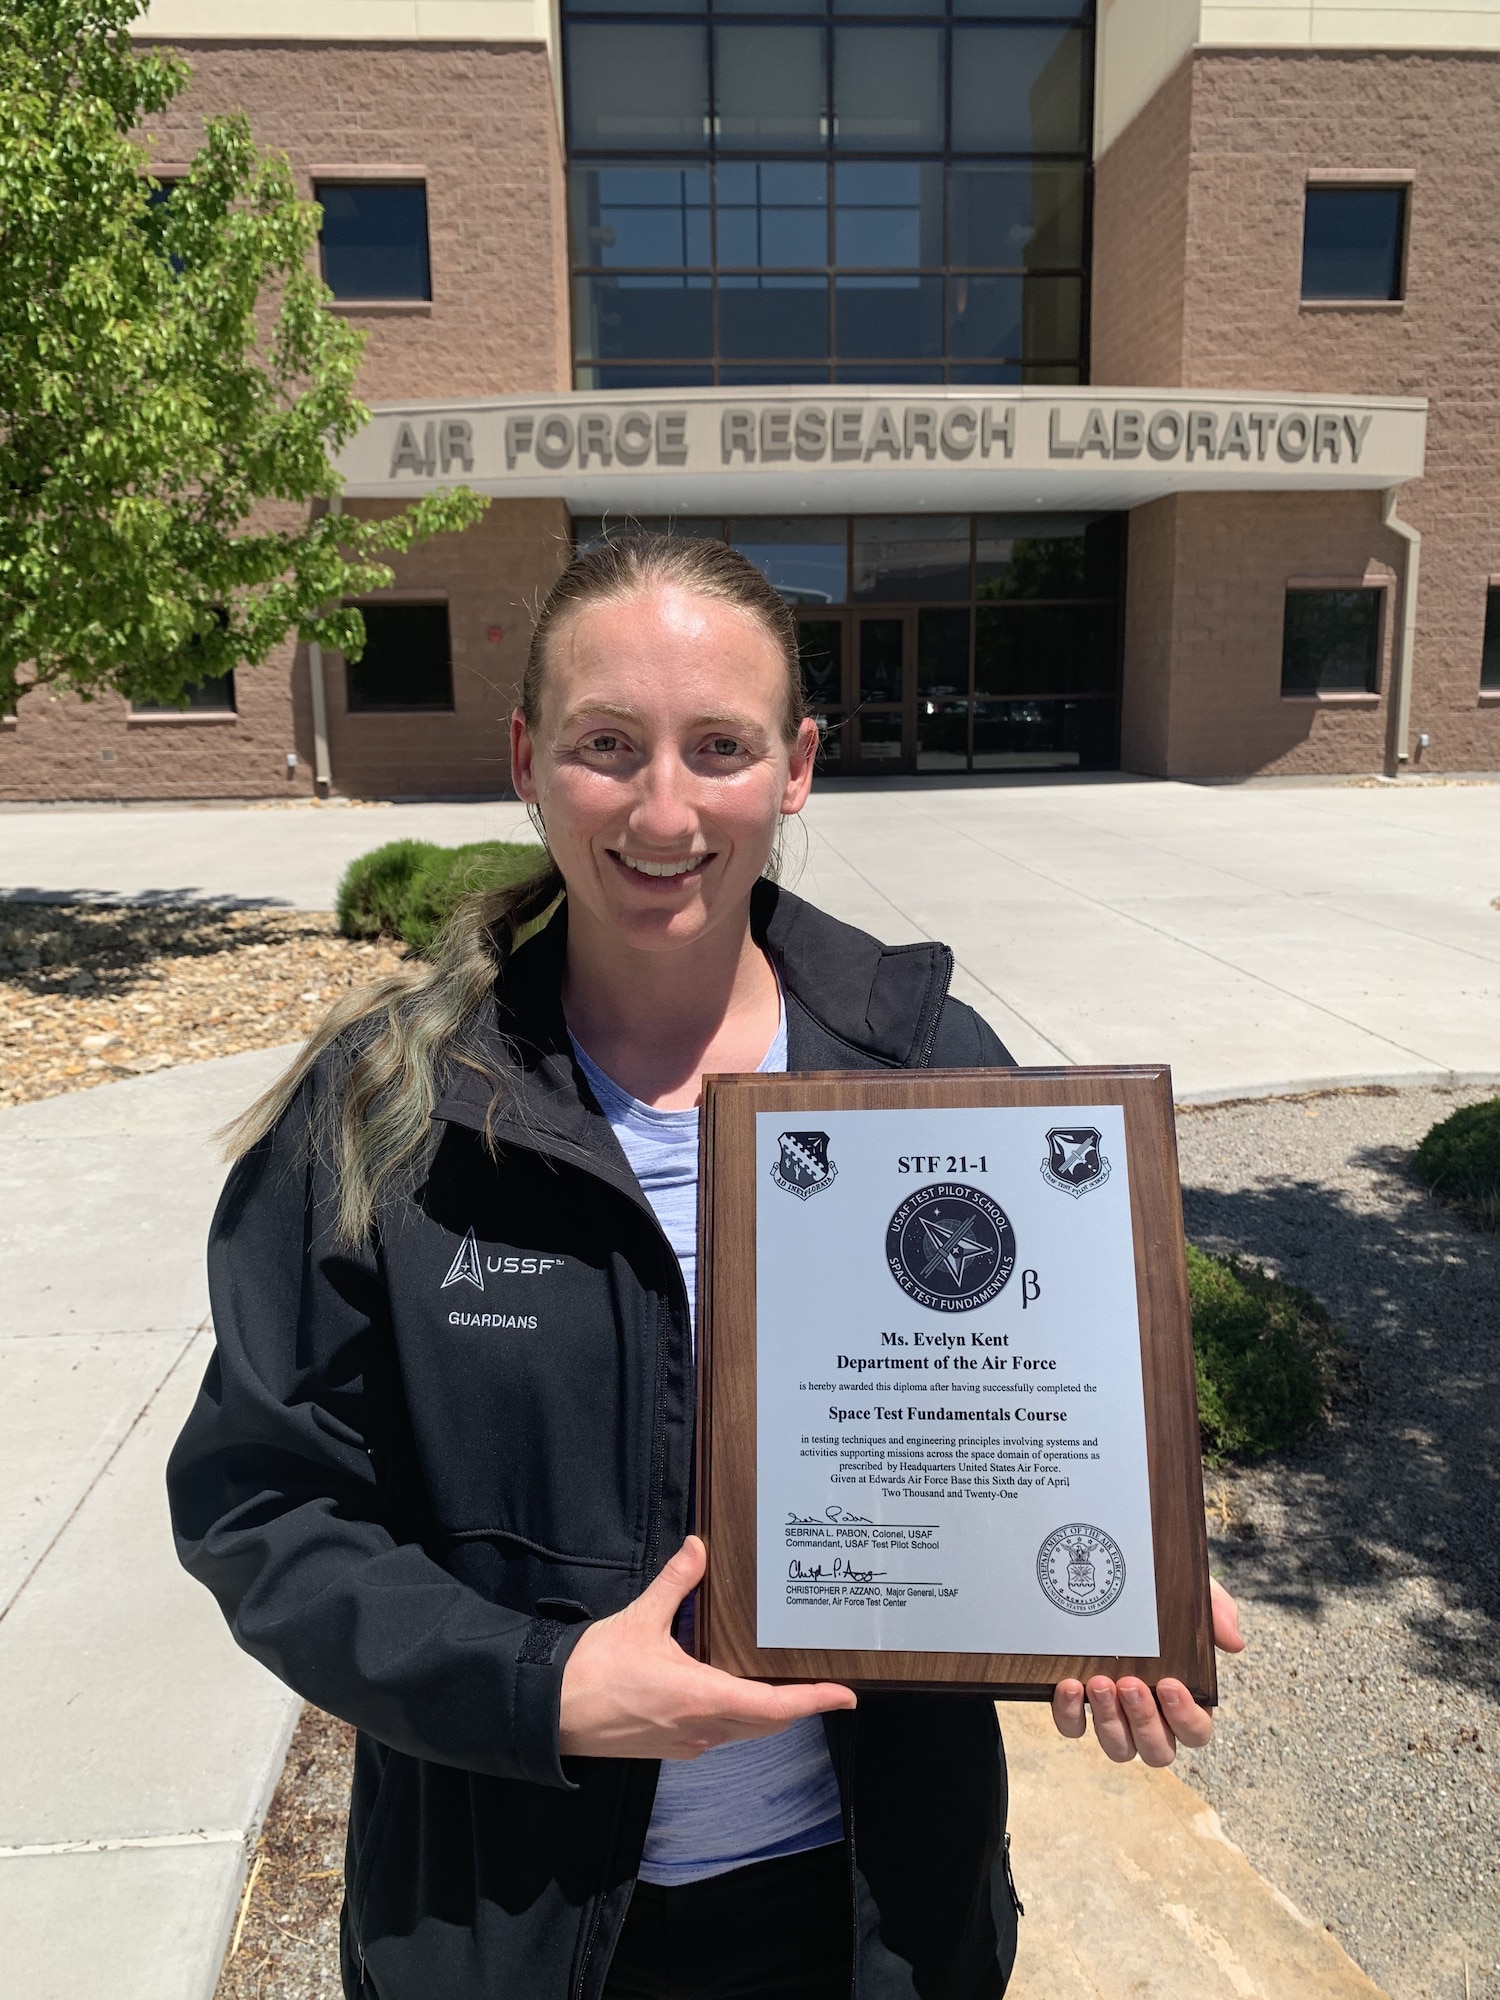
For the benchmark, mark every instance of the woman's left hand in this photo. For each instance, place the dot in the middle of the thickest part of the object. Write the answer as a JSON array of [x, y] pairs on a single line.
[[1128, 1722]]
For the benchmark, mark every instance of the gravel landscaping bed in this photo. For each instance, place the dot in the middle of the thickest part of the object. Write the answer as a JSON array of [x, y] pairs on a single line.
[[1357, 1759], [90, 993]]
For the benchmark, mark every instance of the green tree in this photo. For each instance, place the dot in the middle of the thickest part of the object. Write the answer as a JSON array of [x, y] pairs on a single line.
[[168, 372]]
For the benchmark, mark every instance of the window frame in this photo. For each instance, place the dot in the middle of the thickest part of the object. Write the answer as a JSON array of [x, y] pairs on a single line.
[[1366, 697], [1489, 693], [400, 600], [392, 176], [599, 373], [1361, 180]]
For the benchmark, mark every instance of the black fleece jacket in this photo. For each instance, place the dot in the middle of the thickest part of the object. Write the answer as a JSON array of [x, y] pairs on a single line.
[[409, 1502]]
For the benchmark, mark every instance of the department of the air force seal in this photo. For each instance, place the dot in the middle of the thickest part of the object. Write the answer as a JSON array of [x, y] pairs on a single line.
[[950, 1247], [1081, 1569], [1074, 1161], [804, 1167]]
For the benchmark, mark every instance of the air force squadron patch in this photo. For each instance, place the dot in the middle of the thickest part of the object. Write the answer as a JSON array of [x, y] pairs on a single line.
[[1074, 1160], [804, 1167]]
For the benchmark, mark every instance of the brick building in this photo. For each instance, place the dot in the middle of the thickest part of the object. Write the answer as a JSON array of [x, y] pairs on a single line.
[[1105, 389]]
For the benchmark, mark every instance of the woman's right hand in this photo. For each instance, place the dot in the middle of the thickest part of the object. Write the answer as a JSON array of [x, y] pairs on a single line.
[[629, 1689]]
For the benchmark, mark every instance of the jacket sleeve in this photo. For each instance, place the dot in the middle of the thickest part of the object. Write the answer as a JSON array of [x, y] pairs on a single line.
[[283, 1504], [964, 1040]]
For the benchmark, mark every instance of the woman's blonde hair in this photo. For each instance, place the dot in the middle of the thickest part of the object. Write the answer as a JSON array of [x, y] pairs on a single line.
[[390, 1042]]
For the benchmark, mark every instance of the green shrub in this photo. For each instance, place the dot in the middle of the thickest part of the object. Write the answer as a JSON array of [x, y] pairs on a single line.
[[372, 895], [1461, 1158], [408, 889], [446, 875], [1262, 1350]]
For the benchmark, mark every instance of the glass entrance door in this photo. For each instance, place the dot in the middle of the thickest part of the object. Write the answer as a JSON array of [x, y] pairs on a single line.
[[879, 672], [859, 680]]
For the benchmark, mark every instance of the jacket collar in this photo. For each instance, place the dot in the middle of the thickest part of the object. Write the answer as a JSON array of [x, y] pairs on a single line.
[[845, 991]]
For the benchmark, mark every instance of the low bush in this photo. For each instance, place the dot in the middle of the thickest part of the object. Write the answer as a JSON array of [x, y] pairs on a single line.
[[1460, 1158], [1264, 1356], [408, 889]]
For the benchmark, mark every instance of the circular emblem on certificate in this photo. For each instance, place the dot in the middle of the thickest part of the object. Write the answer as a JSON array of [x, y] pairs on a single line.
[[950, 1247], [1081, 1569]]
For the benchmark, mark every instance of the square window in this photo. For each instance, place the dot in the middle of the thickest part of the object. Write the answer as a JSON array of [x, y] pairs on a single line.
[[407, 662], [640, 217], [773, 319], [771, 87], [889, 215], [215, 696], [374, 239], [897, 317], [888, 90], [772, 214], [1020, 90], [638, 87], [1352, 242], [1330, 642], [1026, 218], [1489, 666], [636, 317]]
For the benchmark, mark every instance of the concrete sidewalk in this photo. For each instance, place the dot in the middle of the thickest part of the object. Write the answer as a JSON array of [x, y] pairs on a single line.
[[140, 1748], [1258, 938]]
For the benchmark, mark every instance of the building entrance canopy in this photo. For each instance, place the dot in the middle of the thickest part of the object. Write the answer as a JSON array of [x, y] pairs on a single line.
[[874, 450]]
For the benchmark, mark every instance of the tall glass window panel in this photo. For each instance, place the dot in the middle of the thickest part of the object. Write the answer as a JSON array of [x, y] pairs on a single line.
[[637, 86], [1017, 217], [991, 315], [901, 557], [820, 645], [1352, 242], [374, 240], [1019, 90], [899, 317], [1044, 649], [888, 90], [888, 214], [1489, 664], [633, 216], [1331, 641], [805, 560], [772, 213], [882, 656], [641, 317], [942, 690], [771, 87], [773, 318]]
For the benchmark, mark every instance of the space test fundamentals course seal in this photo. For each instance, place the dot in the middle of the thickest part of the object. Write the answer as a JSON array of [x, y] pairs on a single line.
[[1081, 1569], [950, 1247]]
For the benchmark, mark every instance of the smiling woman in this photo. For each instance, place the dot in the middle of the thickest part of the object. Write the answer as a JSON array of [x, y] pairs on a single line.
[[464, 1524]]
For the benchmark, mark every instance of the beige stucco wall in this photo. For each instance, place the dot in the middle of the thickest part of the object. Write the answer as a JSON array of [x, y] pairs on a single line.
[[1238, 133]]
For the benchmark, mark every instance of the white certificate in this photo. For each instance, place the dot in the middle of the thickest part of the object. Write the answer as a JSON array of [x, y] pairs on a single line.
[[951, 1433]]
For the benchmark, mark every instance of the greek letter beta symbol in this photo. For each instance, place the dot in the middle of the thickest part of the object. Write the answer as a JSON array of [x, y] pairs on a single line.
[[1031, 1288]]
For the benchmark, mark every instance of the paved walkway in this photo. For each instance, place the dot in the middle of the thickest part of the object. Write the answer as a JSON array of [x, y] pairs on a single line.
[[1258, 938], [138, 1745], [1253, 936]]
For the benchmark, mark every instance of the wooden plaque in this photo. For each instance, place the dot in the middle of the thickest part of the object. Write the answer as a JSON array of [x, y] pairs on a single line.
[[947, 1425]]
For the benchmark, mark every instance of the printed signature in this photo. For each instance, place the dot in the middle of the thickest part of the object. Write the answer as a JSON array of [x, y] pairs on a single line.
[[828, 1514]]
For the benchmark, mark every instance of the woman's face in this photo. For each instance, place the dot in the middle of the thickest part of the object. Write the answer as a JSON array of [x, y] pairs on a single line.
[[659, 763]]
